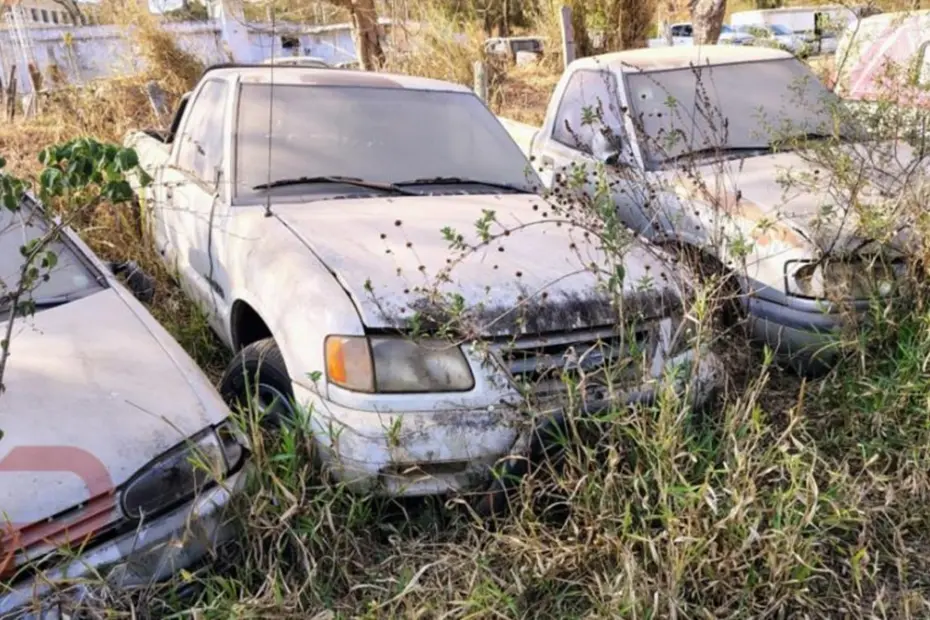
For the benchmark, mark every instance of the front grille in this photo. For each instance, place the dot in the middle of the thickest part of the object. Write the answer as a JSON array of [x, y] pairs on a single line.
[[592, 358], [34, 547]]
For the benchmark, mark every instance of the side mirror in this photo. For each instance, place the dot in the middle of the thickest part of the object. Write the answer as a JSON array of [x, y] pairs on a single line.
[[139, 283], [608, 150]]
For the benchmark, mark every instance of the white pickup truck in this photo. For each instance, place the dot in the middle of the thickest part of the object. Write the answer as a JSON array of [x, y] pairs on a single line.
[[302, 208], [691, 165]]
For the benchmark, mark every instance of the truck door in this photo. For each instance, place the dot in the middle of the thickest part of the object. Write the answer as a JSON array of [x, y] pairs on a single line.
[[588, 129], [198, 200]]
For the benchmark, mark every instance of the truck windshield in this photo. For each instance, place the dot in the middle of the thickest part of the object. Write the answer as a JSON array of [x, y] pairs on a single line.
[[378, 135], [682, 111], [70, 279]]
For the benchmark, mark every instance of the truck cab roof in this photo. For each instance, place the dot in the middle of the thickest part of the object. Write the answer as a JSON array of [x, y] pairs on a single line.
[[311, 76], [679, 57]]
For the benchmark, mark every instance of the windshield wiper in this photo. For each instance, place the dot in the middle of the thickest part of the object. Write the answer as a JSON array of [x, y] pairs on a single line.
[[461, 181], [722, 150], [36, 304], [354, 181]]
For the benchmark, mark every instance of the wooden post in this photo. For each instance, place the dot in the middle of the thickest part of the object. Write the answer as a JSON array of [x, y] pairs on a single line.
[[11, 94], [568, 35], [481, 80], [157, 98]]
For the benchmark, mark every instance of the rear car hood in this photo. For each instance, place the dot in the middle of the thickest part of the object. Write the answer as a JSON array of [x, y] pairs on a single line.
[[94, 391], [397, 248]]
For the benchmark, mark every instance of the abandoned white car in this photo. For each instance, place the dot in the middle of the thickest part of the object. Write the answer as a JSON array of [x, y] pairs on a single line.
[[117, 459], [306, 246], [694, 143]]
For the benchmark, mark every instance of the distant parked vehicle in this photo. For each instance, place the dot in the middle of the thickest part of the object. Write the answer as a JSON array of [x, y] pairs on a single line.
[[513, 48], [778, 35], [822, 24], [683, 34], [117, 456], [299, 61]]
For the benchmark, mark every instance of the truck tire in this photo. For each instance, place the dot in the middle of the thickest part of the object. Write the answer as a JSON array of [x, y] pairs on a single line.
[[256, 381]]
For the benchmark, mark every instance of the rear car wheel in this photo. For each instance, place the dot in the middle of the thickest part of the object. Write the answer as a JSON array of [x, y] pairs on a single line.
[[257, 381]]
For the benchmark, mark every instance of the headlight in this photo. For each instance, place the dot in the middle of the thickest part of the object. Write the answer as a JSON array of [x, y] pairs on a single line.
[[182, 472], [385, 364], [841, 280]]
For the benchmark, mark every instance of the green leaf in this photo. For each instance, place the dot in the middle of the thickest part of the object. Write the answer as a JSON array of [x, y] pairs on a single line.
[[49, 260], [126, 159], [47, 155], [51, 182]]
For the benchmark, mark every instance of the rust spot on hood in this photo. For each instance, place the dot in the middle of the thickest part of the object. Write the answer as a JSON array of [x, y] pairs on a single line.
[[732, 203]]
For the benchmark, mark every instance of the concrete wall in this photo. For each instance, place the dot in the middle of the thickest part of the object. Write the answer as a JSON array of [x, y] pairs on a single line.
[[91, 52]]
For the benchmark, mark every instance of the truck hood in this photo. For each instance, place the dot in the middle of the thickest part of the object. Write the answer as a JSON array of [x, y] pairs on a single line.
[[788, 189], [384, 251], [94, 391]]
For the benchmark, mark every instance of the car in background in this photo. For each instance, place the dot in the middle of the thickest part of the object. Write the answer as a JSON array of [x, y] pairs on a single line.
[[515, 49], [299, 61], [683, 34], [118, 459], [778, 35]]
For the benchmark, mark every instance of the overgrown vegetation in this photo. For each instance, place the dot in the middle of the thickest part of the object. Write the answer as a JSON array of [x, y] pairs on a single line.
[[786, 499]]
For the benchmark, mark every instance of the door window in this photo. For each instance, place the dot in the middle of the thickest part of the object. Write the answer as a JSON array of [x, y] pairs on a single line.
[[589, 118], [200, 150]]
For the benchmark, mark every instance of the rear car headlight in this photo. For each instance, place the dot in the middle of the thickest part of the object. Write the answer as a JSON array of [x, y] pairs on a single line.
[[182, 472], [393, 364], [842, 279]]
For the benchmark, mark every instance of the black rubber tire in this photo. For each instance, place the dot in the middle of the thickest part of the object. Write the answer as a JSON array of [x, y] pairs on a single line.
[[258, 363]]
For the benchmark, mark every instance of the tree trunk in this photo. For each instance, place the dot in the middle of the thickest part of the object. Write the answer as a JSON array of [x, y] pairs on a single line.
[[635, 20], [707, 19], [367, 34], [580, 28]]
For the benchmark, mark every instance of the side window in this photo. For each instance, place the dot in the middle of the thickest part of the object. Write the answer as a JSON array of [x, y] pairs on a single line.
[[200, 149], [589, 113]]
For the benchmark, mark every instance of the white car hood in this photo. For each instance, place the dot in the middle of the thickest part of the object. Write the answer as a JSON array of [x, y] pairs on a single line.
[[765, 191], [94, 391], [381, 250]]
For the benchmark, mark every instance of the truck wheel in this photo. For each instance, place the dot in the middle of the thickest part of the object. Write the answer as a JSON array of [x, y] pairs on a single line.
[[257, 381]]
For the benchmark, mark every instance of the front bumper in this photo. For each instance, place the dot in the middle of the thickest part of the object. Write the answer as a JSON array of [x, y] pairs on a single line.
[[151, 553], [801, 332], [434, 452]]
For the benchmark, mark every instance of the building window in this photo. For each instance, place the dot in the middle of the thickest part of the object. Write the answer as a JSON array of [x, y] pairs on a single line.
[[44, 16], [65, 18], [35, 14], [54, 17]]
